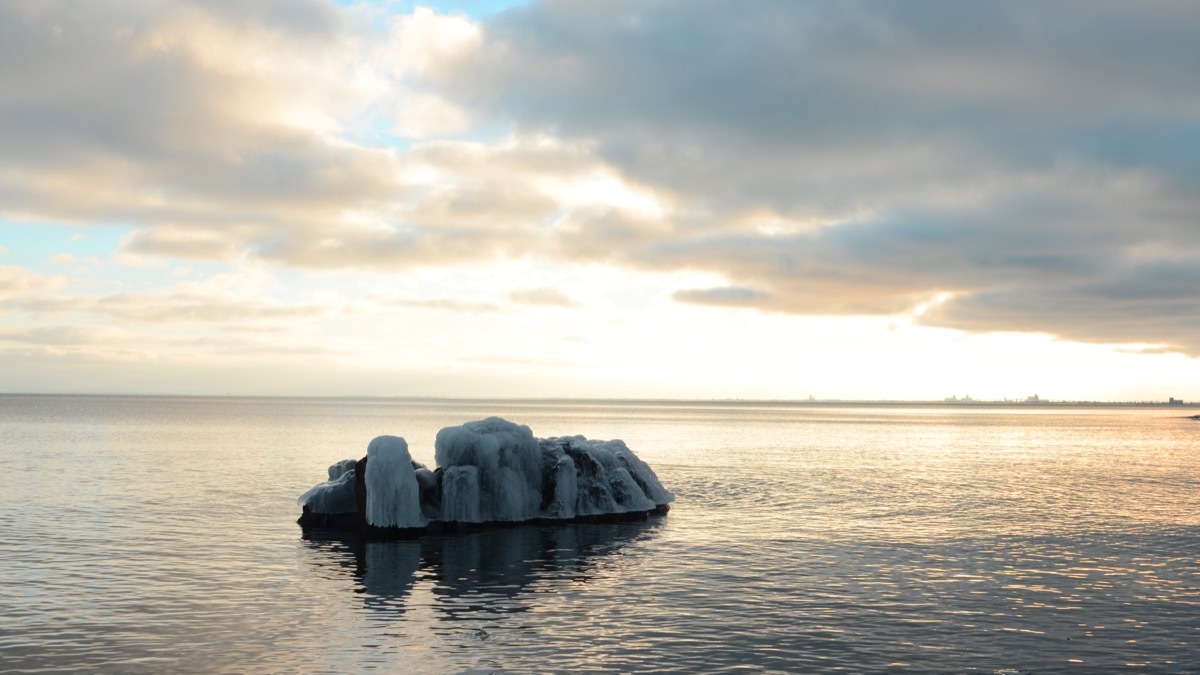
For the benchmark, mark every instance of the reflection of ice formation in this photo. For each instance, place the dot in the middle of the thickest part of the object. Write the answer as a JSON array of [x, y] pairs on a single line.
[[487, 571], [489, 471]]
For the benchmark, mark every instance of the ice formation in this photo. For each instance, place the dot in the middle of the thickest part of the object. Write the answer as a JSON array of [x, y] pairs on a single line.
[[336, 495], [393, 494], [507, 462], [488, 471]]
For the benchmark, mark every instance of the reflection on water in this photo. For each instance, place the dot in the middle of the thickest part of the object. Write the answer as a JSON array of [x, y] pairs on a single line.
[[472, 574]]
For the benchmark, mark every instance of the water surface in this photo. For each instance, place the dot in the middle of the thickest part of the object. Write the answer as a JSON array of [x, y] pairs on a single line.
[[146, 534]]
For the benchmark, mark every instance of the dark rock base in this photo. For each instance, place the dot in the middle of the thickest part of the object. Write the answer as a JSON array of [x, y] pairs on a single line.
[[351, 523]]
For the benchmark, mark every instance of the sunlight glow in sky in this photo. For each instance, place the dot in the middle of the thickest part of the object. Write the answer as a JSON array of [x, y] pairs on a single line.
[[772, 199]]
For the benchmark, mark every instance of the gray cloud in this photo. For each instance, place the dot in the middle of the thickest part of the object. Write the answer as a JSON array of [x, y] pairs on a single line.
[[731, 296], [1037, 162]]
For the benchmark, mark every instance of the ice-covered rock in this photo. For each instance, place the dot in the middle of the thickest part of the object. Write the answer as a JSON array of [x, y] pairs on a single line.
[[393, 495], [430, 491], [508, 461], [609, 478], [340, 469], [335, 495], [488, 471]]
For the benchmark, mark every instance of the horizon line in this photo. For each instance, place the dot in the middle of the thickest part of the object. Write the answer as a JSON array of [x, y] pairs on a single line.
[[1040, 402]]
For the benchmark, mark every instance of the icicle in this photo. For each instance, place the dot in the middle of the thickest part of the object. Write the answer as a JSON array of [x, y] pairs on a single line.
[[565, 490], [460, 494]]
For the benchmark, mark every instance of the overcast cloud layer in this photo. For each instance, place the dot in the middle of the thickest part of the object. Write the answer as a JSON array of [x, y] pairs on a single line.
[[1006, 166]]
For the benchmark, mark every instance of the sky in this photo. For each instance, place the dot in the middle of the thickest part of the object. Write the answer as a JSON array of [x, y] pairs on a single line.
[[601, 198]]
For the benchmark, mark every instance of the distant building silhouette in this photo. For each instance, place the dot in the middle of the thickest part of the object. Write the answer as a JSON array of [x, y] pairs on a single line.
[[1175, 401]]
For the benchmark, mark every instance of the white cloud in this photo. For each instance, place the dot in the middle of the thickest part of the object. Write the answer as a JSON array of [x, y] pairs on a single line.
[[18, 281], [425, 116], [426, 43], [542, 297]]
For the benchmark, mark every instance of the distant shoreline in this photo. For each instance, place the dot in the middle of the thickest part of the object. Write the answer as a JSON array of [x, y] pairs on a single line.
[[798, 403]]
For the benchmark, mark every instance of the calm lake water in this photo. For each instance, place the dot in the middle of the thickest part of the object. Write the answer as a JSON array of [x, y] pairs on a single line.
[[158, 535]]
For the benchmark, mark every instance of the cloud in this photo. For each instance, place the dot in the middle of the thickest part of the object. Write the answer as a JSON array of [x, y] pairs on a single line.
[[62, 259], [1129, 306], [215, 117], [172, 307], [17, 281], [728, 296], [1034, 166], [442, 304], [107, 344], [221, 132], [542, 297], [52, 338], [425, 42]]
